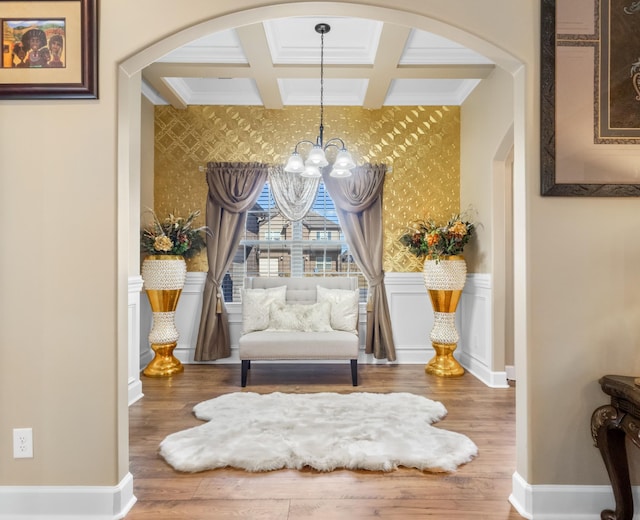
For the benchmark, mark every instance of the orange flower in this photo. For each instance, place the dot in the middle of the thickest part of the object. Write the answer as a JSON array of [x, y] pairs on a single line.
[[458, 229], [433, 238]]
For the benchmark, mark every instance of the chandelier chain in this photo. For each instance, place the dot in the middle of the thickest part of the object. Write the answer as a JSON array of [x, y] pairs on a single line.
[[321, 85]]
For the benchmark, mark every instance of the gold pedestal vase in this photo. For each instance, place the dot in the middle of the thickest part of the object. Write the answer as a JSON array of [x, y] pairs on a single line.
[[164, 277], [444, 279]]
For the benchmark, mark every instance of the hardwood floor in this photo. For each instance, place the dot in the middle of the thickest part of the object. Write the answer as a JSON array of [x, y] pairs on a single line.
[[479, 489]]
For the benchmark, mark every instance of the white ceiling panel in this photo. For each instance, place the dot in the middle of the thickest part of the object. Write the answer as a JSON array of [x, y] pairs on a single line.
[[207, 91], [426, 48], [350, 40], [220, 47]]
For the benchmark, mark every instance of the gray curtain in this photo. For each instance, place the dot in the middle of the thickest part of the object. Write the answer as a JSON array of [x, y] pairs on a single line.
[[358, 201], [233, 189]]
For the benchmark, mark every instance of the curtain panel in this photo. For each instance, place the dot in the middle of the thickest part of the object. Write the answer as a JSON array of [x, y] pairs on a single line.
[[358, 201], [233, 189]]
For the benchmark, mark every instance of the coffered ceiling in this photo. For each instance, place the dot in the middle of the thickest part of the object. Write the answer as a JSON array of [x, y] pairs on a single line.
[[277, 63]]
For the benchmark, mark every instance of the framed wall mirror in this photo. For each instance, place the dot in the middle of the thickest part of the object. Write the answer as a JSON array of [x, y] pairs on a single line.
[[590, 98]]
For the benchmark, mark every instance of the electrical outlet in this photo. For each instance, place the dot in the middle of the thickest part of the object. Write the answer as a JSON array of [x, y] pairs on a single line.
[[22, 443]]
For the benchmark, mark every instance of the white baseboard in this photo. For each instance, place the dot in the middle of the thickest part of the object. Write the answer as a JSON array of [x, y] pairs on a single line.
[[511, 372], [481, 371], [135, 391], [545, 502], [64, 502]]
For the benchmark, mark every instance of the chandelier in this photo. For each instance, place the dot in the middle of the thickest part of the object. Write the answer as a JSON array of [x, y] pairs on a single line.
[[317, 158]]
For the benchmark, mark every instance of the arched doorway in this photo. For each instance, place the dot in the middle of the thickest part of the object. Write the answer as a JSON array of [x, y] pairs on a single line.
[[129, 106]]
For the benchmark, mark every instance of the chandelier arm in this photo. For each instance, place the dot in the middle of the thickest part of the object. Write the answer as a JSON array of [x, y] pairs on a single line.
[[331, 142], [304, 141]]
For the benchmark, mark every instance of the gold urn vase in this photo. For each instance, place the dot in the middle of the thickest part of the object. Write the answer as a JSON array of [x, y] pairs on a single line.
[[163, 277], [444, 279]]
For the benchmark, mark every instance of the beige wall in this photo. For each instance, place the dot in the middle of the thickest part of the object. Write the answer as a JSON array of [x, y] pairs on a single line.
[[486, 145], [66, 208], [147, 158], [486, 121]]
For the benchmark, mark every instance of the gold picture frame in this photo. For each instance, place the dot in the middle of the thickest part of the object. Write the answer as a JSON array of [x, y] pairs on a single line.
[[49, 49], [584, 152]]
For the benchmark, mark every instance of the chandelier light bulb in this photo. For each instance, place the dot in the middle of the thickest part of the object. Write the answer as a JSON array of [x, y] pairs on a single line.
[[311, 171]]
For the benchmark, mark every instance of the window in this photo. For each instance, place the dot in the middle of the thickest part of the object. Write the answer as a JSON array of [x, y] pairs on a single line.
[[324, 264], [275, 246], [272, 235], [268, 267]]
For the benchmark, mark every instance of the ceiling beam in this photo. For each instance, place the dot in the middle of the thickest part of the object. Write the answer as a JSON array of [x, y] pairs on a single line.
[[156, 80], [225, 70], [471, 71], [256, 49], [392, 42]]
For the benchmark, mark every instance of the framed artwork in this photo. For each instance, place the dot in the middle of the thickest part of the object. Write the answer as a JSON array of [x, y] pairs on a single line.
[[590, 98], [49, 49]]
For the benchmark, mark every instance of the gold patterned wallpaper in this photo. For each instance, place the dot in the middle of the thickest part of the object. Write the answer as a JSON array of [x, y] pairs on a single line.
[[421, 144]]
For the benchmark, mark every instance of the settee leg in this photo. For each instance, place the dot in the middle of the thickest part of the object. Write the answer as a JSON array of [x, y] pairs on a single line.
[[354, 372], [246, 364]]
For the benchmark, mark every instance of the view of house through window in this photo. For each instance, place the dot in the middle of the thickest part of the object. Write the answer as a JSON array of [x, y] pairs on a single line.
[[275, 246]]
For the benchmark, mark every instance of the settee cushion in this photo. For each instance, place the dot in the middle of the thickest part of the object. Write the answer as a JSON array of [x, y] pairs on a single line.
[[255, 306], [344, 307], [303, 317], [277, 344]]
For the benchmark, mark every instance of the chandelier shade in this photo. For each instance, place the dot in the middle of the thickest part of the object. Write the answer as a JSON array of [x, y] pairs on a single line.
[[295, 164], [344, 161], [316, 158]]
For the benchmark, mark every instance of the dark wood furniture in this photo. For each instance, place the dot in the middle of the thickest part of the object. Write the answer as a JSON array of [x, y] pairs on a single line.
[[611, 424]]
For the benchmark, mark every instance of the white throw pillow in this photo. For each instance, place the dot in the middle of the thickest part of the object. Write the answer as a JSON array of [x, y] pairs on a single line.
[[255, 306], [344, 307], [313, 317]]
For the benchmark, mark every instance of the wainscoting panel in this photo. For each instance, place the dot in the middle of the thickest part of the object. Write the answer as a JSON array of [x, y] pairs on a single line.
[[411, 317], [188, 316], [476, 345], [134, 358]]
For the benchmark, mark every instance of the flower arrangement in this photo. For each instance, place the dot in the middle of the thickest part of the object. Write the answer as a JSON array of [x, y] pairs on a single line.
[[173, 236], [426, 238]]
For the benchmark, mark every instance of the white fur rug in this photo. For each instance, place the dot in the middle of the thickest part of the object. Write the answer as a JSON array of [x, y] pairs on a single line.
[[325, 431]]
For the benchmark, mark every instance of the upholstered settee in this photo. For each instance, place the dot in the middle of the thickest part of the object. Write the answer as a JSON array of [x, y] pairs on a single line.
[[311, 318]]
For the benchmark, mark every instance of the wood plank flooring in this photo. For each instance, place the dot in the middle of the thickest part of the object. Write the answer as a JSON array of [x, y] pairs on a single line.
[[477, 490]]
